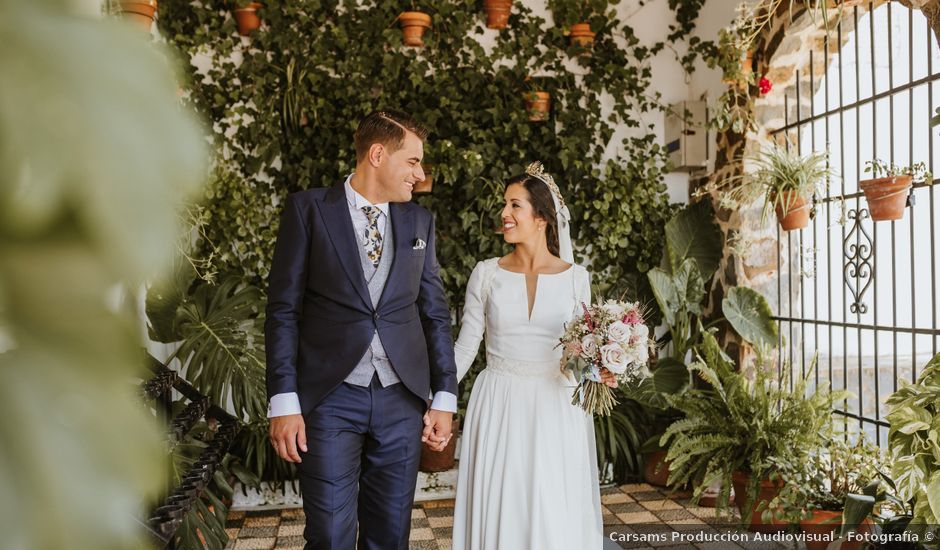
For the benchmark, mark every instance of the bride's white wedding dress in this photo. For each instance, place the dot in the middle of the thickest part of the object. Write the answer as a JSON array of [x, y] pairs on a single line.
[[527, 477]]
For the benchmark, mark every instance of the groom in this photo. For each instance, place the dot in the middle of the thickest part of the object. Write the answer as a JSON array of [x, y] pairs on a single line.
[[358, 335]]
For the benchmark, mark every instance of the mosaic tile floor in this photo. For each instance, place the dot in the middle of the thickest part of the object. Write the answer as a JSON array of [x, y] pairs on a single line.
[[627, 509]]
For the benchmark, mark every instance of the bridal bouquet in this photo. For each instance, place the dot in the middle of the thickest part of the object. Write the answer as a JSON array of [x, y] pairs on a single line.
[[611, 336]]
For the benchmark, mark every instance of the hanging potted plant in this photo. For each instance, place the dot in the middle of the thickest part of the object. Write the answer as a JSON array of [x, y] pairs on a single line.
[[575, 17], [786, 181], [413, 24], [139, 12], [581, 35], [538, 102], [789, 182], [887, 193], [497, 13], [247, 18]]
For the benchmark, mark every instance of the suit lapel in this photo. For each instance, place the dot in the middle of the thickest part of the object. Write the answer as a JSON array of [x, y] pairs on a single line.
[[403, 226], [340, 228]]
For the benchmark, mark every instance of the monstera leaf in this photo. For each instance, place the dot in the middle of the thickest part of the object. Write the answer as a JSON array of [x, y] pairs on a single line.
[[692, 233], [750, 315], [222, 345]]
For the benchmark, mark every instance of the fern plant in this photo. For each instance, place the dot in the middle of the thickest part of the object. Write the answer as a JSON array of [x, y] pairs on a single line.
[[737, 424]]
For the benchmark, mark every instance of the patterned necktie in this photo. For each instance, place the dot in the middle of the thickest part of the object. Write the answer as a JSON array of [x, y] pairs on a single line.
[[373, 238]]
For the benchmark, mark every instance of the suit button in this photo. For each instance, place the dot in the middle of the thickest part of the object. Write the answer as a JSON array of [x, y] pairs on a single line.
[[375, 316]]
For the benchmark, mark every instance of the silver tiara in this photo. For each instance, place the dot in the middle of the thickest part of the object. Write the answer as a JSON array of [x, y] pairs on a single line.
[[536, 169]]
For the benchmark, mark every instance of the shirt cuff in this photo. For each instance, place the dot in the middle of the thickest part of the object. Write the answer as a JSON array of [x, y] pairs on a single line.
[[444, 401], [284, 404]]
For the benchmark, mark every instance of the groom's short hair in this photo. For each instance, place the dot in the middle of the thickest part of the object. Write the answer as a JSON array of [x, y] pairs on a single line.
[[388, 127]]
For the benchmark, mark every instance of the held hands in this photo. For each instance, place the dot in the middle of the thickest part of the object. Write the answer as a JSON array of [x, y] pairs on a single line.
[[288, 434], [608, 378], [437, 429]]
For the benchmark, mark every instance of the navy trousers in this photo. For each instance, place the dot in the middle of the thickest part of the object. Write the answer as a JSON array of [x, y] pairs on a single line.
[[360, 470]]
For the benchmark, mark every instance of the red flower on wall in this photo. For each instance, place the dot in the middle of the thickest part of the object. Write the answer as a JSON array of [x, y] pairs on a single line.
[[764, 85]]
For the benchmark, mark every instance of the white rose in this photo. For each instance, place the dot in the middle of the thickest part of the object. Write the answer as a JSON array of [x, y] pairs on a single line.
[[614, 358], [619, 332], [588, 346], [639, 352], [641, 331], [616, 310]]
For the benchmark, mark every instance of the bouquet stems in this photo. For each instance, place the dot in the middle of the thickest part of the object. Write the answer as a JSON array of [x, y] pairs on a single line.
[[594, 397]]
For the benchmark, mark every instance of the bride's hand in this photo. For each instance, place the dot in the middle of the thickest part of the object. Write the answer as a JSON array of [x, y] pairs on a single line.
[[608, 378]]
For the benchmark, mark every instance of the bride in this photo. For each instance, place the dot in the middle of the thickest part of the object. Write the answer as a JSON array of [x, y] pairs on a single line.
[[528, 471]]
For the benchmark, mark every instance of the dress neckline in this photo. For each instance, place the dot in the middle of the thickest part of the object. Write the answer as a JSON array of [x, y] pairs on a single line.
[[570, 267]]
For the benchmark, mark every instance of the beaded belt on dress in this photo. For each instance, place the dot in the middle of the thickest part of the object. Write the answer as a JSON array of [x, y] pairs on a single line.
[[522, 368]]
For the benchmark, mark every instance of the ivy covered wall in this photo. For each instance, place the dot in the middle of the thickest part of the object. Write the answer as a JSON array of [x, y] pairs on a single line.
[[284, 102]]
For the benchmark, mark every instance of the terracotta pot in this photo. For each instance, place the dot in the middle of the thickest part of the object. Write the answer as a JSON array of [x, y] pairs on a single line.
[[537, 105], [433, 461], [887, 197], [581, 35], [497, 13], [823, 522], [424, 186], [656, 469], [247, 18], [413, 24], [139, 12], [766, 492], [798, 210]]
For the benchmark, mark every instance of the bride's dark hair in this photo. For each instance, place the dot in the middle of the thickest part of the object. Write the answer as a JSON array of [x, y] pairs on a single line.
[[542, 204]]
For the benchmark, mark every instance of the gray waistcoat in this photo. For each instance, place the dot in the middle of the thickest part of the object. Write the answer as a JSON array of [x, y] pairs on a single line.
[[375, 359]]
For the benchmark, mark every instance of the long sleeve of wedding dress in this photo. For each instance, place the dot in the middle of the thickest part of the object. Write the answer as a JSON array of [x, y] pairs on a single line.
[[472, 322]]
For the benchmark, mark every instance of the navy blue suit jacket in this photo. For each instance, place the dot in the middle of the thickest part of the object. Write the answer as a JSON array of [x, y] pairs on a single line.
[[320, 318]]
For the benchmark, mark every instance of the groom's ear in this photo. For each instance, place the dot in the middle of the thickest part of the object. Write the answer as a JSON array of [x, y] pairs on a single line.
[[376, 154]]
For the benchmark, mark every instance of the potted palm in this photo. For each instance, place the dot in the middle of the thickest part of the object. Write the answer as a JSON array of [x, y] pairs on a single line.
[[816, 489], [887, 191], [413, 24]]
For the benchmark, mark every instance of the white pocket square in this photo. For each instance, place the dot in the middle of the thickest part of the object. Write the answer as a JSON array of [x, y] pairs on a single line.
[[419, 245]]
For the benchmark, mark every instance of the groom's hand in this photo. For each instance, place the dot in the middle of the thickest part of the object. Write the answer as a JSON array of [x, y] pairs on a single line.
[[437, 429], [287, 434]]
